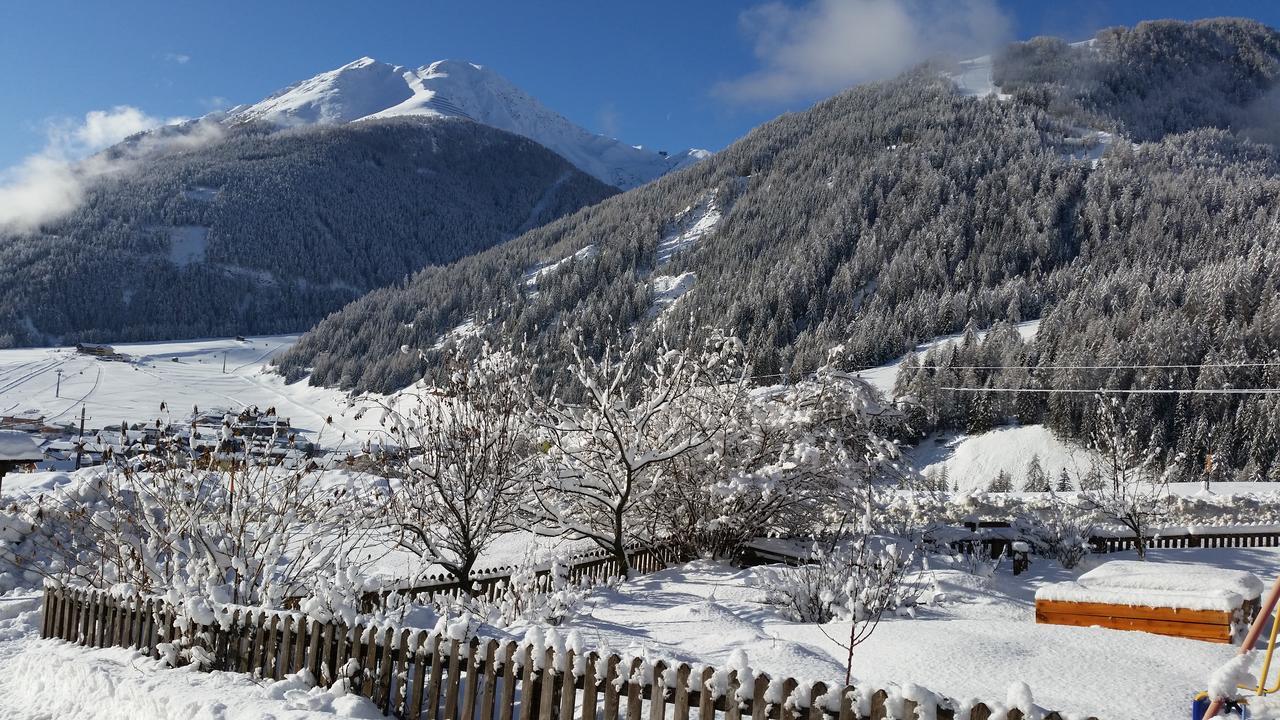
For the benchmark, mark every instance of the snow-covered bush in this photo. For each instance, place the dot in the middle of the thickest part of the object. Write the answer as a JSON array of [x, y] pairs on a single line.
[[1061, 532], [339, 596], [260, 533], [539, 592], [855, 580]]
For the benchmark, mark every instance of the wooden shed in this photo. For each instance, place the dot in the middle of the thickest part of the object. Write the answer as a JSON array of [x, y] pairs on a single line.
[[1185, 600], [16, 449]]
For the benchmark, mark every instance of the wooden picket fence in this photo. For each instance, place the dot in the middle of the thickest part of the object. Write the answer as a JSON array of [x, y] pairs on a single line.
[[417, 675], [1102, 543]]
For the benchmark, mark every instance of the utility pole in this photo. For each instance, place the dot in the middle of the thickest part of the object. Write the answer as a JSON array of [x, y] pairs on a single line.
[[80, 445], [58, 391]]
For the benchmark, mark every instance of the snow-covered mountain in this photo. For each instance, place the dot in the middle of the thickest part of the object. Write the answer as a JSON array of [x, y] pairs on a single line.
[[367, 89]]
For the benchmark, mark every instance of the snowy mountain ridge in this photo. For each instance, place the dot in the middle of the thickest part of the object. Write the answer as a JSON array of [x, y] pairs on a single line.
[[368, 89]]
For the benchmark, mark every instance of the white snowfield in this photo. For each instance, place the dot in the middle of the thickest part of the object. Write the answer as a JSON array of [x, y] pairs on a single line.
[[972, 461], [367, 89], [1150, 584], [183, 375], [971, 645]]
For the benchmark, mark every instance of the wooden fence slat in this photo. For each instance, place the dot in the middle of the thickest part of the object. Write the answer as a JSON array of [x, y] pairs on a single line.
[[759, 698], [658, 691], [879, 705], [398, 692], [506, 706], [590, 686], [420, 659], [706, 698], [315, 639], [732, 708], [301, 632], [635, 689], [46, 613], [454, 684], [488, 692], [472, 678], [568, 686], [393, 658], [271, 658], [611, 688], [226, 647], [547, 689], [680, 698], [846, 703], [785, 711], [433, 682], [980, 712], [258, 651], [286, 645], [370, 662], [529, 687], [816, 711]]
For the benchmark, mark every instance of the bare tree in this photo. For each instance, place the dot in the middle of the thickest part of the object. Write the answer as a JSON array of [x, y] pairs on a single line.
[[1131, 484], [464, 463], [609, 450]]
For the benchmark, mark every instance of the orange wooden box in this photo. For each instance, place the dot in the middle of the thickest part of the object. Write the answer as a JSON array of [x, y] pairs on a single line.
[[1209, 625]]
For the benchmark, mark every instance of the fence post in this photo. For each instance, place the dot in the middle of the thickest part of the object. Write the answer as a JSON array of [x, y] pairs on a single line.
[[420, 658], [491, 662], [473, 679], [611, 688], [508, 703], [816, 711]]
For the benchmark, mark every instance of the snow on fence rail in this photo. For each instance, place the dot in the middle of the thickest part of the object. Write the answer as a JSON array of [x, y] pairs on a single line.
[[592, 566], [417, 675]]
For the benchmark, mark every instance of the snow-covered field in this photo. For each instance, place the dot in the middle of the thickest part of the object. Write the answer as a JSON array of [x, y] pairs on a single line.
[[972, 644], [972, 461], [183, 374]]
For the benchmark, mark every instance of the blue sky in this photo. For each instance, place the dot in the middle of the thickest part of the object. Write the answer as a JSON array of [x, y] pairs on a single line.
[[660, 73]]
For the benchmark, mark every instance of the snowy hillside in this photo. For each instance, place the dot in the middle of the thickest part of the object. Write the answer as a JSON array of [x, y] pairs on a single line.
[[367, 89]]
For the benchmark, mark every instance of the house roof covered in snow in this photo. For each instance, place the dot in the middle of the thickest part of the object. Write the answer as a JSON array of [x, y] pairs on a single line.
[[18, 446]]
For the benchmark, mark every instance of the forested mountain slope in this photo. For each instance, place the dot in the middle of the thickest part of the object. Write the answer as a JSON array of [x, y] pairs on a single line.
[[900, 211], [260, 230]]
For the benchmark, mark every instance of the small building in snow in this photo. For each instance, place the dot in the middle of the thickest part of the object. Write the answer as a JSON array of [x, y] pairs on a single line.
[[17, 449]]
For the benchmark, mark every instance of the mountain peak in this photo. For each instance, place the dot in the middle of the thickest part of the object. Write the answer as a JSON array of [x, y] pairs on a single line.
[[367, 89]]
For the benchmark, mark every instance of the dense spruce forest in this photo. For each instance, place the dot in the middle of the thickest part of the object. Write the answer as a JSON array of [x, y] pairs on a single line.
[[258, 230], [903, 210]]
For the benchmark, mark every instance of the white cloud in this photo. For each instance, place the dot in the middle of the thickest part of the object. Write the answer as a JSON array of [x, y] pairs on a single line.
[[829, 45], [180, 58], [51, 183]]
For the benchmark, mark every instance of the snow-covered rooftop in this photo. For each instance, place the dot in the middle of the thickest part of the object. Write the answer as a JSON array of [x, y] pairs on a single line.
[[18, 446]]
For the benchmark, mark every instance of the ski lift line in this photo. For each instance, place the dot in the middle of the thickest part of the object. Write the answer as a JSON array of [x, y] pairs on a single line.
[[1093, 367], [1118, 390]]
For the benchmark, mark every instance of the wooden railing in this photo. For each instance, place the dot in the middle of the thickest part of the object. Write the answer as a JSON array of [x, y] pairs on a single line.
[[415, 674], [592, 566]]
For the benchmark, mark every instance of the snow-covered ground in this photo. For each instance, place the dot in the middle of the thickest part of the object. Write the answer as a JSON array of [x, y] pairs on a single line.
[[183, 374], [971, 645], [973, 461]]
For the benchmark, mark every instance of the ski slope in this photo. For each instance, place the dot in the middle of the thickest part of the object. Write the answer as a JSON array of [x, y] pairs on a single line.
[[182, 375]]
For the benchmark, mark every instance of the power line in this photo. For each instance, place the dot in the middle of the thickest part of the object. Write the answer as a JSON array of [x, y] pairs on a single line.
[[1092, 367], [1131, 391]]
